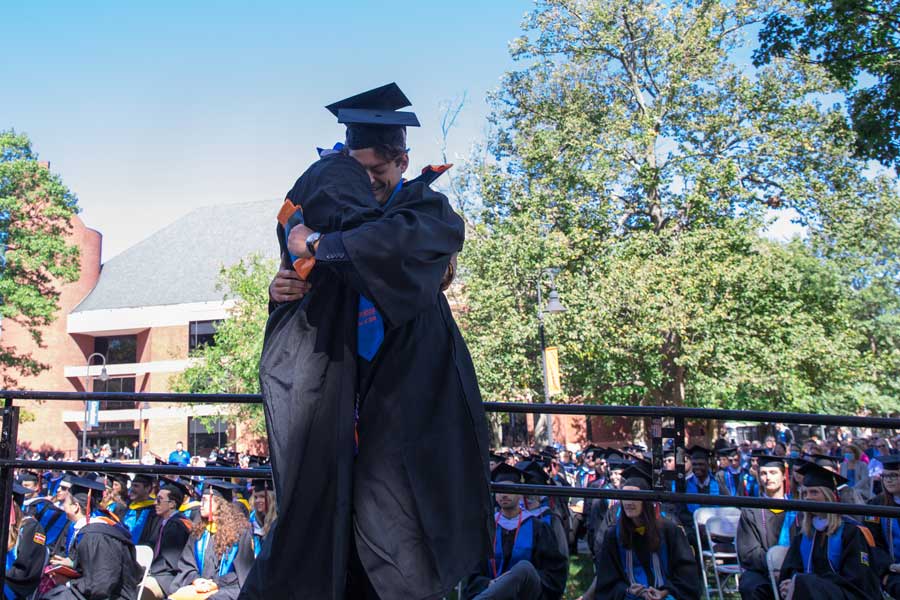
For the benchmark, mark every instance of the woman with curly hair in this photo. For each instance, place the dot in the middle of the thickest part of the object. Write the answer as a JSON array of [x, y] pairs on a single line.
[[219, 552]]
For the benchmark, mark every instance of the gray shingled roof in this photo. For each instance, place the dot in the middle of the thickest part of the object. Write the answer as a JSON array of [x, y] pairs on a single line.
[[181, 262]]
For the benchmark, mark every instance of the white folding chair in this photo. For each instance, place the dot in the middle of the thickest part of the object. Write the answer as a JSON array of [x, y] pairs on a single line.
[[718, 530], [774, 558], [701, 516], [144, 557]]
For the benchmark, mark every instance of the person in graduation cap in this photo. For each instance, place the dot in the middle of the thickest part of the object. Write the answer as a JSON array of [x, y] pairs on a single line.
[[831, 558], [526, 562], [699, 482], [101, 550], [372, 364], [264, 511], [886, 531], [847, 494], [644, 556], [605, 512], [114, 500], [539, 506], [175, 529], [26, 550], [31, 481], [732, 479], [219, 553], [140, 518], [761, 528]]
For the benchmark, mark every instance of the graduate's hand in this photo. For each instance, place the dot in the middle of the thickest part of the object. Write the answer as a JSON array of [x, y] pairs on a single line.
[[61, 560], [655, 594], [287, 286], [297, 241], [204, 585], [636, 589], [786, 589]]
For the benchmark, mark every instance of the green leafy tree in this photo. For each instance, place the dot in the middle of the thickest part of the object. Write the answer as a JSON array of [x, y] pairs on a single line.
[[631, 152], [231, 364], [858, 42], [36, 210]]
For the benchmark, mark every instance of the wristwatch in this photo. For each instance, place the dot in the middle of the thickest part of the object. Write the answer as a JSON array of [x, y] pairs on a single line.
[[311, 240]]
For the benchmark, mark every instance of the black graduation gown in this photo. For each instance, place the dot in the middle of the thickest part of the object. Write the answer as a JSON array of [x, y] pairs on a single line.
[[854, 580], [31, 554], [418, 529], [150, 532], [551, 564], [173, 538], [230, 583], [105, 557], [883, 550], [757, 532], [681, 579], [55, 523]]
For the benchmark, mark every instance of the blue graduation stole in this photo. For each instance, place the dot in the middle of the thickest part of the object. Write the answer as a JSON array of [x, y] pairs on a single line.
[[522, 546], [891, 529], [52, 527], [691, 488], [135, 520], [370, 325], [834, 550], [227, 563], [784, 536], [635, 571], [10, 560]]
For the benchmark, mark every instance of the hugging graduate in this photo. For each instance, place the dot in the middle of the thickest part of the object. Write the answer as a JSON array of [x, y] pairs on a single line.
[[367, 383]]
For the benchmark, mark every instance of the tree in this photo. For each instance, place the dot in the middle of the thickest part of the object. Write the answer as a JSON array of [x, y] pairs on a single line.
[[855, 40], [231, 364], [36, 210], [631, 152]]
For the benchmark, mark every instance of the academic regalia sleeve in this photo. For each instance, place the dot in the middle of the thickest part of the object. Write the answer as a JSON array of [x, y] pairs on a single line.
[[174, 537], [551, 564], [150, 533], [750, 547], [188, 570], [681, 581], [793, 560], [243, 562], [401, 257], [611, 581], [30, 555], [101, 562], [856, 571]]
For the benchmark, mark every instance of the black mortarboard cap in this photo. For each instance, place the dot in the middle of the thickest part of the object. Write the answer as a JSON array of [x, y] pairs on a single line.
[[122, 478], [550, 452], [767, 460], [19, 492], [824, 459], [638, 474], [592, 450], [28, 476], [262, 485], [817, 476], [143, 478], [220, 488], [890, 462], [81, 486], [377, 107], [727, 451], [534, 473], [166, 482], [697, 451], [503, 473]]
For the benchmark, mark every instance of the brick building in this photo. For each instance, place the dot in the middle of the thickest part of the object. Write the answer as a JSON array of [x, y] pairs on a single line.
[[143, 311]]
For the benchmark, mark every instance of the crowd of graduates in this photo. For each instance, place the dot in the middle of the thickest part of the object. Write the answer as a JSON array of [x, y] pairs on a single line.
[[649, 550], [77, 534]]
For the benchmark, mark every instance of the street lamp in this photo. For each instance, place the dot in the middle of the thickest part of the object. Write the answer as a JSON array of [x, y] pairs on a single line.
[[543, 424], [104, 376]]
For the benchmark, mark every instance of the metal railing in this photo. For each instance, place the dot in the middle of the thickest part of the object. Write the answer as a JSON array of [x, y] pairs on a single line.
[[666, 423]]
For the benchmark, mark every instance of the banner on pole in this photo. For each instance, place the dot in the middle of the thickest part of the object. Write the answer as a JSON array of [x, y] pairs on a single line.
[[551, 359], [93, 413]]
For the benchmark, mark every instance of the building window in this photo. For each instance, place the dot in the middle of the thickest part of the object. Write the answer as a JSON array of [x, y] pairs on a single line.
[[204, 435], [118, 349], [202, 333], [115, 384]]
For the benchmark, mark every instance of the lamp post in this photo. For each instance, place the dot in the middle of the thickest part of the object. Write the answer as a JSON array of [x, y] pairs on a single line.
[[543, 429], [104, 376]]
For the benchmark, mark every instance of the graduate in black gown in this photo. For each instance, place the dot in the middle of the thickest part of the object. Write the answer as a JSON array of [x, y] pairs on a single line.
[[539, 506], [885, 531], [371, 363], [831, 558], [140, 517], [264, 513], [26, 550], [605, 511], [115, 499], [760, 528], [219, 551], [102, 551], [645, 555], [174, 531], [526, 562]]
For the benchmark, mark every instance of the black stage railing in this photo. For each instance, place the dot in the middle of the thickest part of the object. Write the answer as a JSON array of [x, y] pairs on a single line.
[[667, 423]]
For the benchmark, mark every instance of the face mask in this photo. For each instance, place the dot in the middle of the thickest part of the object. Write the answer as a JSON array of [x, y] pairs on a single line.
[[849, 458], [820, 523]]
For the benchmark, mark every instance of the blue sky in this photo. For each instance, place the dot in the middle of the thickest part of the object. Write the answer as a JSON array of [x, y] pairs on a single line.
[[149, 110]]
